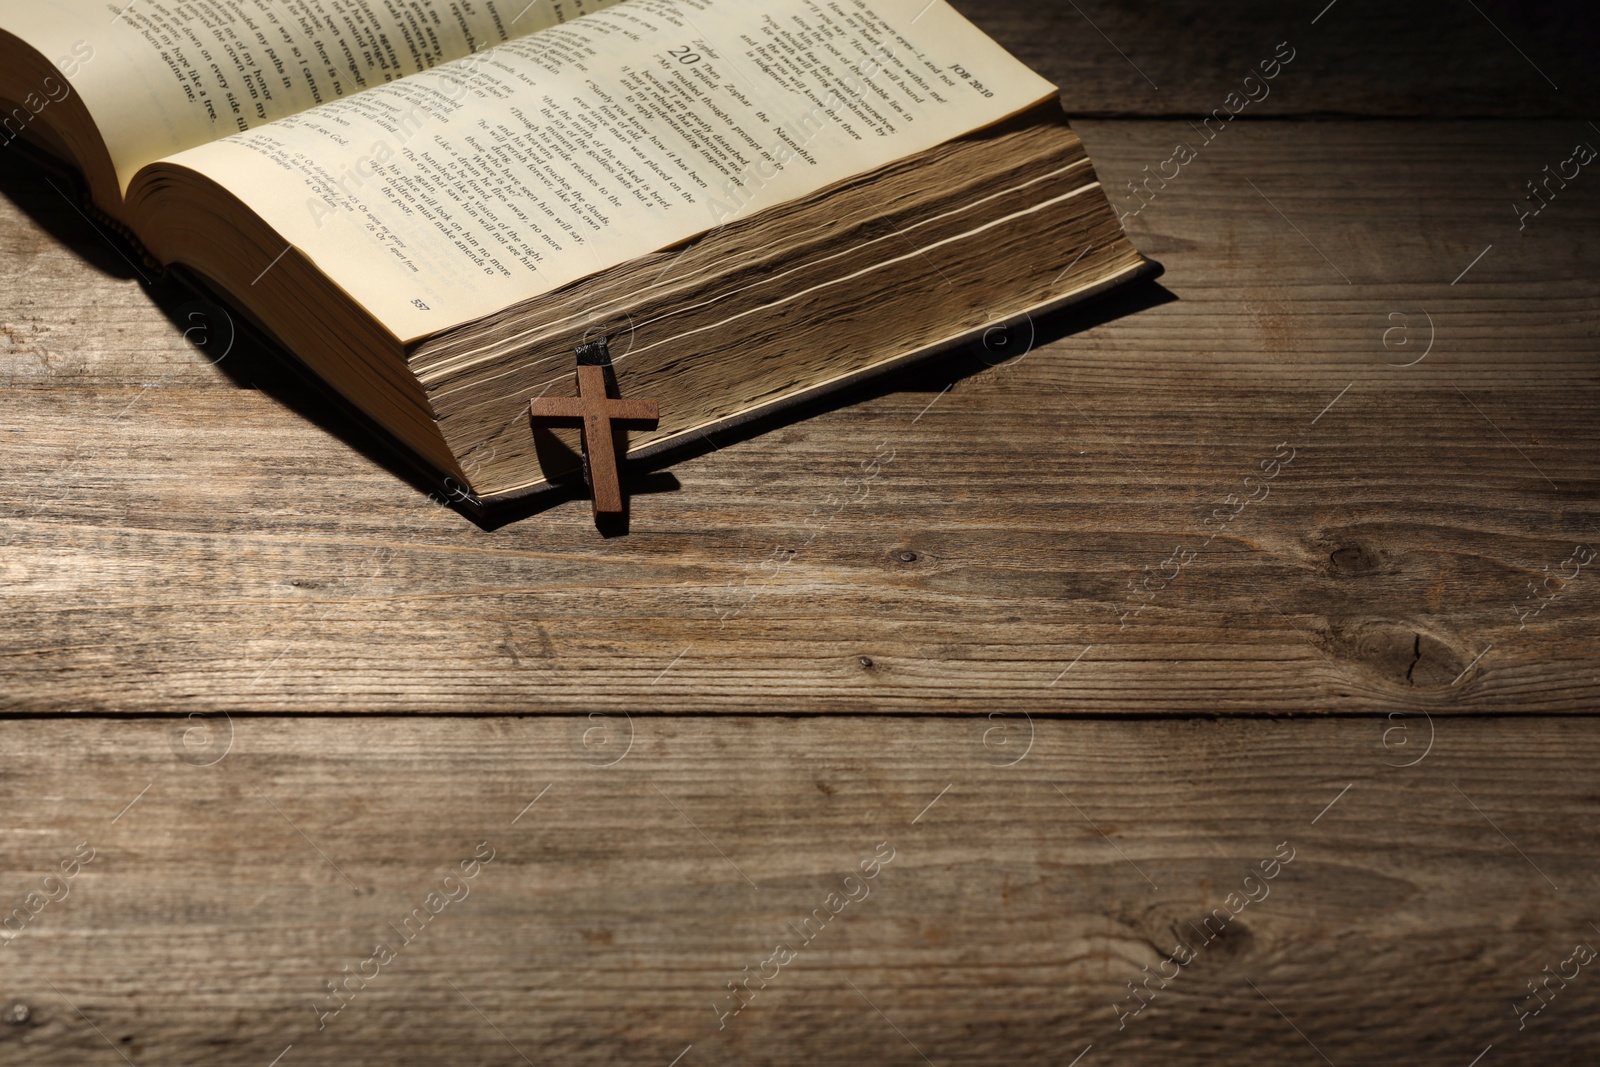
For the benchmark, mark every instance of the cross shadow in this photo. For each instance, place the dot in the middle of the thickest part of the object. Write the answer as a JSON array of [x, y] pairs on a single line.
[[564, 467]]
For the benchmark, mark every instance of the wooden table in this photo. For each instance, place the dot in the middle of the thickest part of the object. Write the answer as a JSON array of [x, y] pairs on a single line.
[[1288, 555]]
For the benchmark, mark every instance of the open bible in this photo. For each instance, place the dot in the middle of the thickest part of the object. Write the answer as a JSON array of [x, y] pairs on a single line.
[[432, 203]]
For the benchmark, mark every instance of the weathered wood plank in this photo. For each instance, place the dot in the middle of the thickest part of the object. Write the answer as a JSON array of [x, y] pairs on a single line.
[[1019, 902], [174, 541], [188, 606], [1429, 58]]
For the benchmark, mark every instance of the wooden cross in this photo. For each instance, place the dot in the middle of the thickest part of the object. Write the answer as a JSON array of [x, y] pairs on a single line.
[[596, 413]]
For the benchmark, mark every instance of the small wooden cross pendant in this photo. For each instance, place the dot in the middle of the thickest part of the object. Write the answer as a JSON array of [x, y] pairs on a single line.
[[597, 413]]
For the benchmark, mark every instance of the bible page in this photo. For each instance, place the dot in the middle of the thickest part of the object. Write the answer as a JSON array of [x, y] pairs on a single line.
[[447, 196], [160, 76]]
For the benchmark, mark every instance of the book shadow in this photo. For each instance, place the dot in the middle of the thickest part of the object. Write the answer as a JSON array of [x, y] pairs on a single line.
[[566, 473], [251, 359], [50, 196]]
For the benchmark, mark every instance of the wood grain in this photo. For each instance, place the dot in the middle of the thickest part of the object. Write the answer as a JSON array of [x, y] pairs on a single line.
[[180, 537], [1019, 902]]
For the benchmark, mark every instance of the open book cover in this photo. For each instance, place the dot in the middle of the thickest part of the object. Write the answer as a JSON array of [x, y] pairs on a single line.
[[432, 203]]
